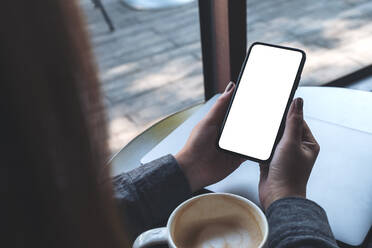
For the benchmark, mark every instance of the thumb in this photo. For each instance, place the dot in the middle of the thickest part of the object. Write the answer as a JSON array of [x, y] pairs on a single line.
[[217, 113], [294, 123]]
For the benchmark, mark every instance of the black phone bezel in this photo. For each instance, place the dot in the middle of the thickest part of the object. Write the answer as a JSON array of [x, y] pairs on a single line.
[[290, 99]]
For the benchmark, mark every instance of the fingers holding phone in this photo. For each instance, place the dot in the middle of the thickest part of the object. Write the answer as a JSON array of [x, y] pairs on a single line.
[[289, 170], [200, 160]]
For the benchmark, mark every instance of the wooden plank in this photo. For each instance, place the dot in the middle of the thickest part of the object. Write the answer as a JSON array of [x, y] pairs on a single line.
[[161, 101], [152, 78], [120, 68]]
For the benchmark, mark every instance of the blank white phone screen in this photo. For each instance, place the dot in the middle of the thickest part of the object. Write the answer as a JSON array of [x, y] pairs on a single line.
[[260, 101]]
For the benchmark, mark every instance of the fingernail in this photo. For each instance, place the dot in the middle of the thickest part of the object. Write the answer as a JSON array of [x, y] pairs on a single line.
[[299, 105], [229, 87]]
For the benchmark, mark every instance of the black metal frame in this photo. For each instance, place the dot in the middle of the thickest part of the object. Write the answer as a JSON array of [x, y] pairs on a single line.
[[98, 4], [224, 42]]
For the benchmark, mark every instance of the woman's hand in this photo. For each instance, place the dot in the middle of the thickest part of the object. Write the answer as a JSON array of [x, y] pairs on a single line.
[[200, 160], [289, 170]]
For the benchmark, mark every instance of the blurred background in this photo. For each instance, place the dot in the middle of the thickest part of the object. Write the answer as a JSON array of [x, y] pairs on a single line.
[[151, 64]]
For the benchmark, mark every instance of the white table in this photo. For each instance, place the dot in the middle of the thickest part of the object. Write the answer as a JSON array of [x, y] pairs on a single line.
[[341, 120]]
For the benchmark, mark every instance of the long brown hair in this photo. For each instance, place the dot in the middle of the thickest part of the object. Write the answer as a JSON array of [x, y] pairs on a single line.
[[52, 130]]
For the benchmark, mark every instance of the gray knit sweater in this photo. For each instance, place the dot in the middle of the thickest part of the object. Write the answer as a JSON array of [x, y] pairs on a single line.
[[147, 195]]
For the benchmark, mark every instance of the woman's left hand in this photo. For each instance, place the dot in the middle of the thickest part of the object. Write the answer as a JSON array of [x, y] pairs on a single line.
[[201, 161]]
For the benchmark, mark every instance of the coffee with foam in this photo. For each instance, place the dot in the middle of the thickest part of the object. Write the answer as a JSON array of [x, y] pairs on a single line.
[[216, 221]]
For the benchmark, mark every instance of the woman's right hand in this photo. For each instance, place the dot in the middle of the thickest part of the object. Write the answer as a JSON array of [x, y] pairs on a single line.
[[289, 170]]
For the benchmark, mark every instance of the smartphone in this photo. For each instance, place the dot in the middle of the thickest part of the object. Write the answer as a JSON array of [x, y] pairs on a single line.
[[255, 119]]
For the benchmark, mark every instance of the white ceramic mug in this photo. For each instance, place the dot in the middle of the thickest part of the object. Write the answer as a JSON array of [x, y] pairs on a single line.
[[212, 220]]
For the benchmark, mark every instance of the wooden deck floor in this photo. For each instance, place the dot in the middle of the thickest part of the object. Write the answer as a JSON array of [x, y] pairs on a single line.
[[151, 65]]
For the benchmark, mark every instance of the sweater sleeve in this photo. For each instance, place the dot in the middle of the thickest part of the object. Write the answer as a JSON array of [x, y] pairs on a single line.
[[298, 222], [147, 195]]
